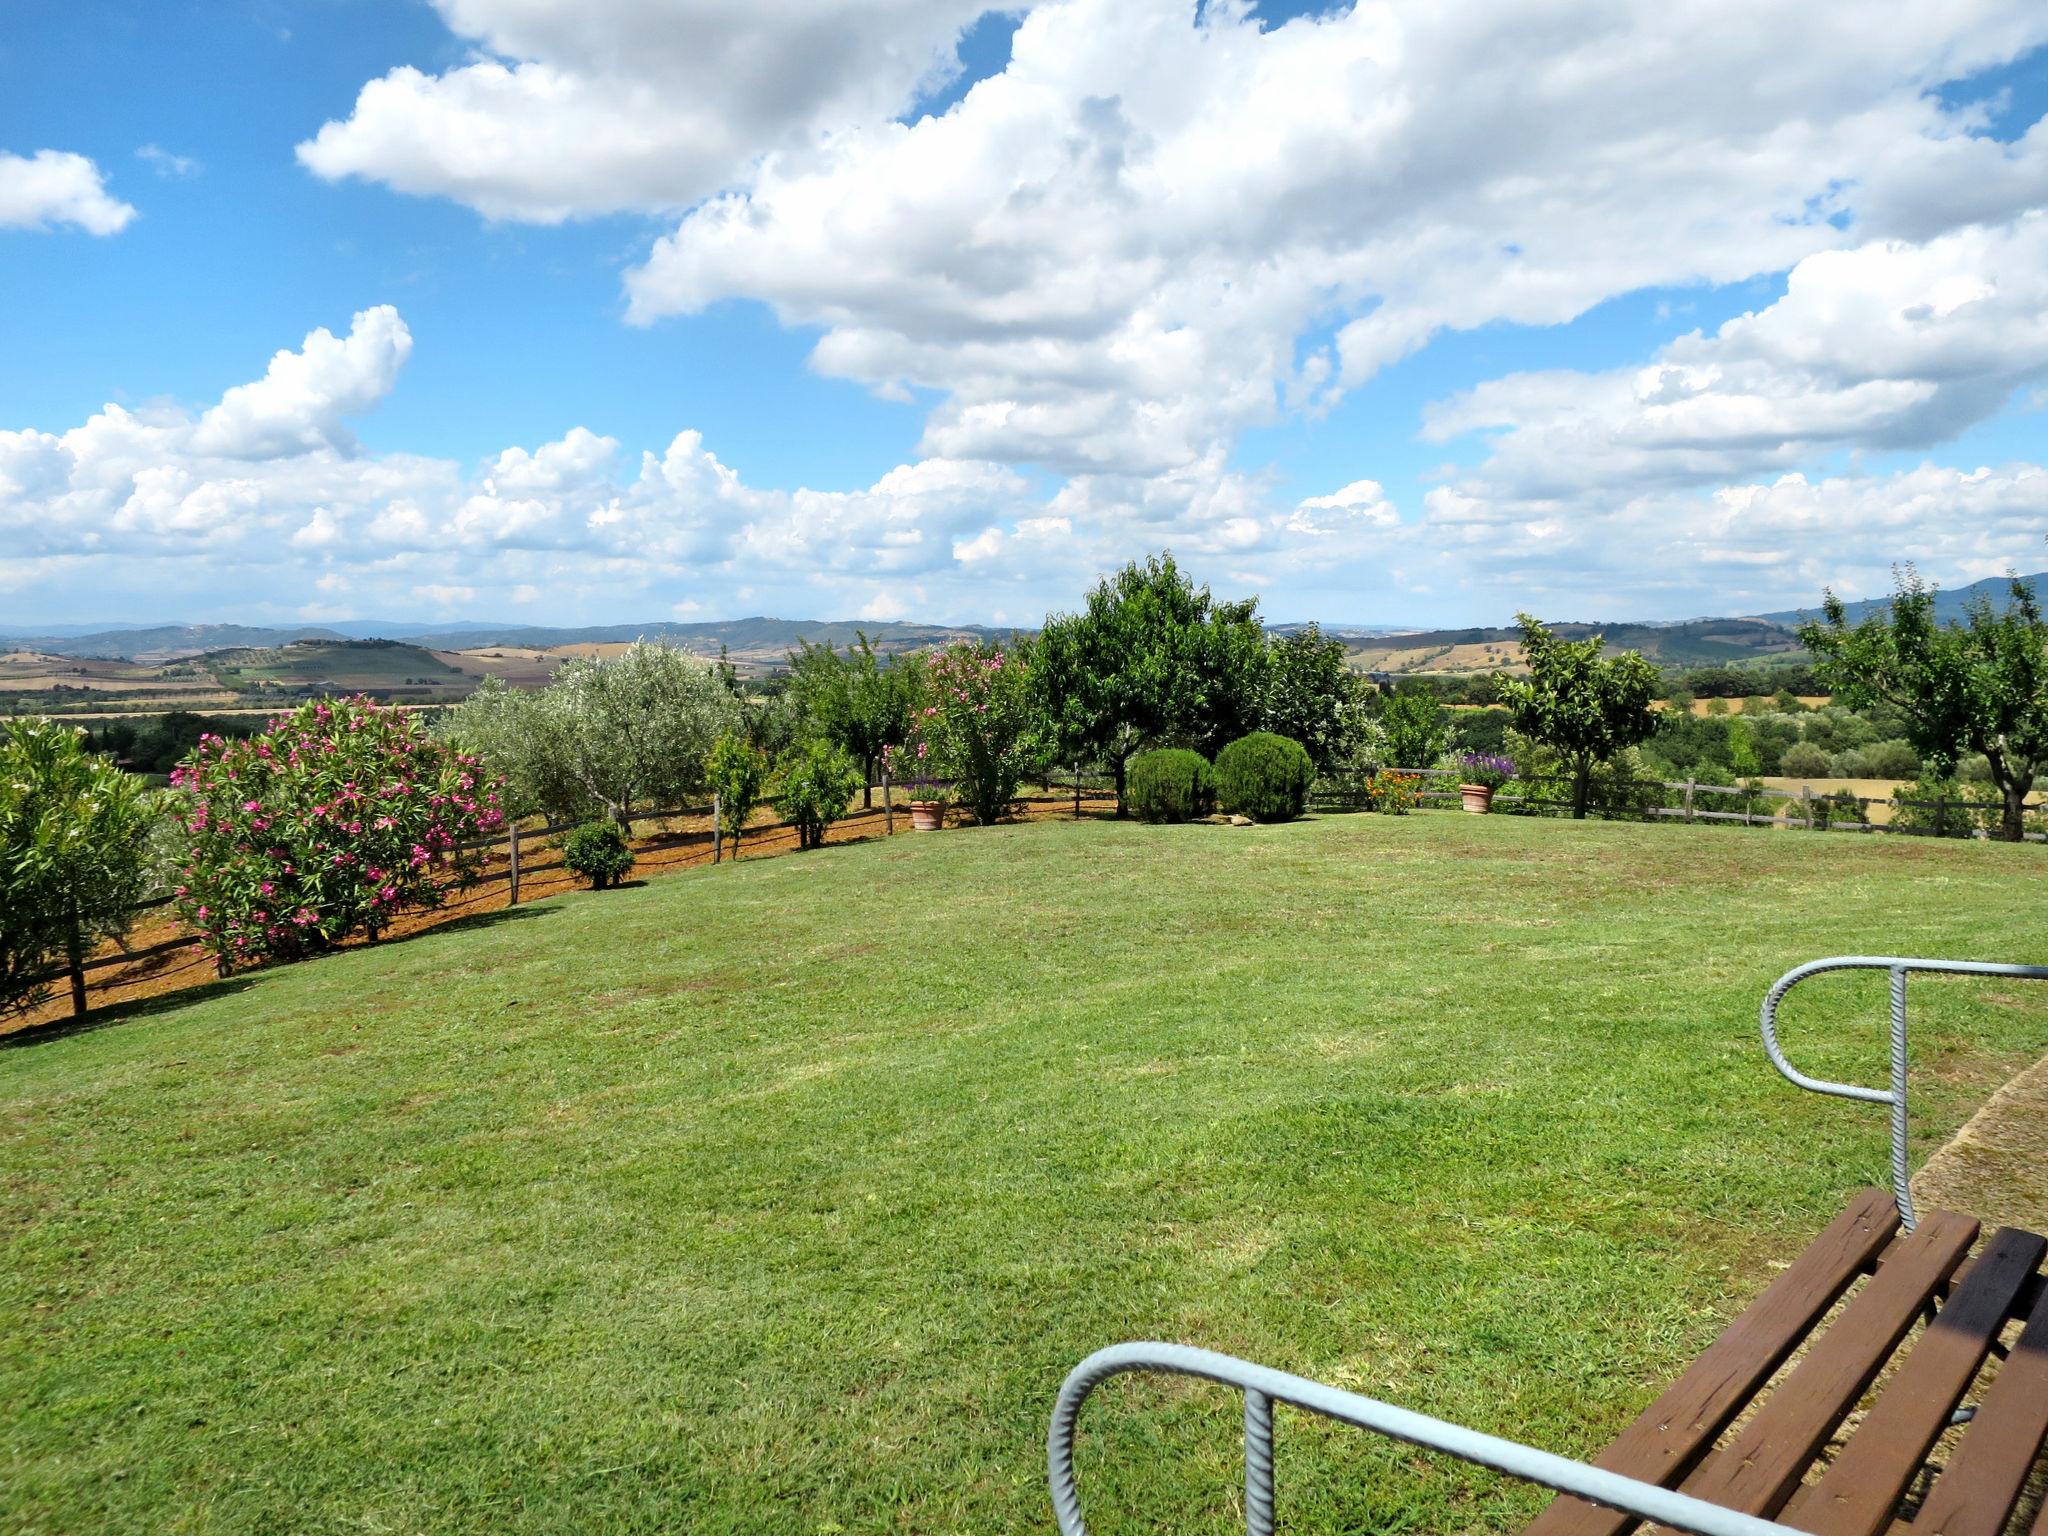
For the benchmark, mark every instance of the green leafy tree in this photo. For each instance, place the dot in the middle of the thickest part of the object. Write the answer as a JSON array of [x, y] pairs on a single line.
[[1415, 730], [1586, 706], [815, 784], [736, 771], [1151, 659], [857, 701], [1309, 690], [1979, 686], [74, 841]]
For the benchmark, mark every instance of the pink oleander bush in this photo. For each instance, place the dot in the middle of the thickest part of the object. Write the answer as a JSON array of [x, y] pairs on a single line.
[[972, 725], [341, 815]]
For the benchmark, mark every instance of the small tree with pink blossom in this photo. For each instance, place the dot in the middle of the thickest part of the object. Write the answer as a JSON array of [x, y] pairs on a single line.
[[972, 724], [341, 815]]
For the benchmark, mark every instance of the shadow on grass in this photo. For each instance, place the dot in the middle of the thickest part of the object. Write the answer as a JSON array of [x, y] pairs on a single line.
[[184, 997]]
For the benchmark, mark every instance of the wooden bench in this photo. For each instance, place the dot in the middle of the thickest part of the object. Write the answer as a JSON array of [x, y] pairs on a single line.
[[1748, 1442], [1682, 1440]]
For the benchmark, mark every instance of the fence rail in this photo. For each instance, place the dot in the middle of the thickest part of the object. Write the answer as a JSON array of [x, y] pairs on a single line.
[[1817, 808], [78, 966]]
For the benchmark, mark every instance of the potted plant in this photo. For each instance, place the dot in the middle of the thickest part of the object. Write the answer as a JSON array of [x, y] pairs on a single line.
[[1480, 774], [908, 767]]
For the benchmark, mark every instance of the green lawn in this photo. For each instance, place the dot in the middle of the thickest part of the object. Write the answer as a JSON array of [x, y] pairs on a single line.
[[779, 1197]]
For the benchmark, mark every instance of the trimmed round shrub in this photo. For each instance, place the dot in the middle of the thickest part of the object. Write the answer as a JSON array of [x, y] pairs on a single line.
[[1264, 776], [1172, 785], [598, 853]]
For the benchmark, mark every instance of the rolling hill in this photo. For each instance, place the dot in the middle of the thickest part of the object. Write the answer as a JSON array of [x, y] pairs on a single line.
[[1949, 605]]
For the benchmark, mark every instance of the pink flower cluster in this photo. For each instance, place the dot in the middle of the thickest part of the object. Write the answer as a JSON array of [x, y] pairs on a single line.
[[343, 813], [974, 728]]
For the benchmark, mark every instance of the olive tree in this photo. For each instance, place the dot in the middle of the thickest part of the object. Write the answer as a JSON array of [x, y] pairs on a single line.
[[74, 852], [616, 735], [1586, 706], [1978, 686], [517, 736]]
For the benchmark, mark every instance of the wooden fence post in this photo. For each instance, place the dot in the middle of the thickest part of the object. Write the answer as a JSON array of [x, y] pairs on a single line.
[[717, 830], [1077, 791], [888, 806], [512, 859], [74, 954], [1688, 796], [1806, 804], [1941, 815]]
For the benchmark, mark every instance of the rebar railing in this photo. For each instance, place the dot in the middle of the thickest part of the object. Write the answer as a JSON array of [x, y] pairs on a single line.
[[1895, 1095], [1263, 1387]]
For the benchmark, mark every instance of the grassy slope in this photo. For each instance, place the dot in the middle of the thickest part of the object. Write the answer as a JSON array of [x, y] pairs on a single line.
[[780, 1197]]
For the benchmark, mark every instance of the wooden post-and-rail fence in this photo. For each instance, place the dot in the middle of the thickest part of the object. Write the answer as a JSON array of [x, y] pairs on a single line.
[[78, 967]]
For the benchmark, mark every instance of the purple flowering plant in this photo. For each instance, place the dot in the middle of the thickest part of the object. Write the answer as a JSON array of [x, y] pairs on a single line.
[[1486, 769], [339, 816]]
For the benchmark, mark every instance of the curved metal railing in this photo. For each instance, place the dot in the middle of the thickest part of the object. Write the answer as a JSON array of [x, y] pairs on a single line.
[[1263, 1387], [1894, 1096]]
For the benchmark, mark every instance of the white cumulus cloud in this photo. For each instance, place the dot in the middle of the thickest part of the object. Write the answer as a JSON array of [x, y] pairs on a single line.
[[595, 106], [53, 187]]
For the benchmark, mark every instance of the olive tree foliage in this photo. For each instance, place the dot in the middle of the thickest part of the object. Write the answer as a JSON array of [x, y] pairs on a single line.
[[857, 701], [618, 735], [1979, 686], [1585, 706], [510, 730], [1150, 660], [74, 852]]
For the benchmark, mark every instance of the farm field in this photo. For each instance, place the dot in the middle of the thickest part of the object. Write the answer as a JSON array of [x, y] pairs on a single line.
[[779, 1197]]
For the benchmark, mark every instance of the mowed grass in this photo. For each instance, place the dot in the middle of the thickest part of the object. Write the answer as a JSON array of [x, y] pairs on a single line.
[[780, 1197]]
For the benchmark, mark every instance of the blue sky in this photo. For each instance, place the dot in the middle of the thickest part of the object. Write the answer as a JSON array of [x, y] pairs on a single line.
[[1385, 317]]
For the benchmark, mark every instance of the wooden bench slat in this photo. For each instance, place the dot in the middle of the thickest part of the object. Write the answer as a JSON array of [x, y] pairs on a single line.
[[1860, 1490], [1670, 1436], [1758, 1470], [1983, 1482]]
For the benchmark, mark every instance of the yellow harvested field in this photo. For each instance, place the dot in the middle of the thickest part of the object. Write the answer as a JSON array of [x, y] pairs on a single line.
[[1868, 789], [1478, 656], [1699, 706], [518, 666]]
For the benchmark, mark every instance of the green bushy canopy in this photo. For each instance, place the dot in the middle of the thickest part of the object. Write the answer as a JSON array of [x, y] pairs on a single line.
[[1171, 785], [1264, 776]]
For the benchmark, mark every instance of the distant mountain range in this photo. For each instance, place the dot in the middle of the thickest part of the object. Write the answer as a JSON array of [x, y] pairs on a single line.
[[752, 637], [763, 641], [1948, 604]]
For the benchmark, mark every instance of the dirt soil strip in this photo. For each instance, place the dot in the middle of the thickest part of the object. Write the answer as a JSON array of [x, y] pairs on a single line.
[[1996, 1166], [680, 843]]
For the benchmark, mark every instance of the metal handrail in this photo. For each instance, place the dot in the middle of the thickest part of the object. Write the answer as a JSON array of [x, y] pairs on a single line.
[[1263, 1386], [1894, 1096]]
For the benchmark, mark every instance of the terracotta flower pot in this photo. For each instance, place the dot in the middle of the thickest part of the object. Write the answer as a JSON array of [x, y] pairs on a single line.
[[927, 815], [1478, 798]]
